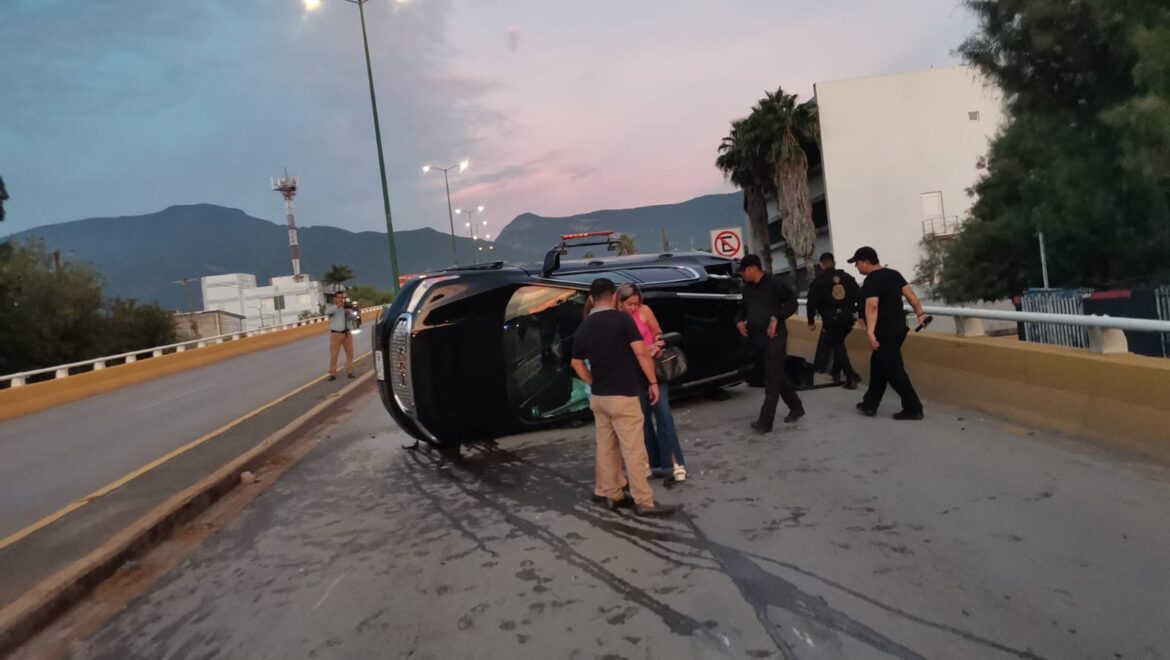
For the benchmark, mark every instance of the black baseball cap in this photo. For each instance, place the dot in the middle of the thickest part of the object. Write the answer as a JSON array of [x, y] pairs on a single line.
[[749, 261], [865, 254], [827, 256]]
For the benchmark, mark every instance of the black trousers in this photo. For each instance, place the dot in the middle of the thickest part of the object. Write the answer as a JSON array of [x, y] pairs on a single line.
[[771, 355], [886, 368], [835, 333], [824, 353]]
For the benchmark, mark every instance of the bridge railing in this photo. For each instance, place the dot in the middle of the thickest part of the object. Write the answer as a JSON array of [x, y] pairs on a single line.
[[97, 364], [1106, 333]]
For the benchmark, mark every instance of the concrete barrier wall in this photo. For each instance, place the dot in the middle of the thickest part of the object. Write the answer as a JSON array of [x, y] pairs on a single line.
[[18, 401], [1121, 401]]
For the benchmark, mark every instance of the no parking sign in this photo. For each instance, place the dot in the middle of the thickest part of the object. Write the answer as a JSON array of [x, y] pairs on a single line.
[[727, 242]]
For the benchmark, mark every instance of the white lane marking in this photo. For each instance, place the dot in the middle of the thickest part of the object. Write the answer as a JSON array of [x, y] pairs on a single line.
[[326, 593], [172, 398]]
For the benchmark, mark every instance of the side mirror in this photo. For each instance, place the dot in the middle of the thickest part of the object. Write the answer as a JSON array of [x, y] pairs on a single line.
[[552, 261]]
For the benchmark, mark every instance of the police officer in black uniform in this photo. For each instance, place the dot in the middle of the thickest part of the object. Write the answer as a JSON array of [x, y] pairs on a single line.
[[767, 303], [834, 295]]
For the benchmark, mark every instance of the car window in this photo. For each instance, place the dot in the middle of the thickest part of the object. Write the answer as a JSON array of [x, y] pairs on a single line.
[[657, 274], [539, 322], [587, 278]]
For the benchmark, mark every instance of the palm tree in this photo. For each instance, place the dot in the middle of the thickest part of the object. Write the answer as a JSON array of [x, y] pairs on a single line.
[[789, 129], [745, 164], [626, 245], [338, 274]]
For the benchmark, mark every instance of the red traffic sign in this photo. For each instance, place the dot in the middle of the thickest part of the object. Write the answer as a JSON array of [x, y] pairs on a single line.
[[727, 243]]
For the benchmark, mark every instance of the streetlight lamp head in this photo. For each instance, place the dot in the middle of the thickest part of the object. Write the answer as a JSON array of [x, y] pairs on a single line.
[[464, 164], [426, 169], [310, 5], [480, 208], [458, 211], [467, 224]]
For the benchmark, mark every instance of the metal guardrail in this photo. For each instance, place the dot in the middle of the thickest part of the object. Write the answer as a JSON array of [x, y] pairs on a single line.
[[1106, 333], [97, 364]]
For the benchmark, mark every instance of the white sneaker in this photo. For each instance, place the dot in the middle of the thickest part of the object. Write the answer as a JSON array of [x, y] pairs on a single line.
[[680, 473]]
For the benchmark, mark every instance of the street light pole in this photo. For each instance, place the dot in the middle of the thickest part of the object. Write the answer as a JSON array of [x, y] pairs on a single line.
[[378, 139], [450, 214], [472, 229]]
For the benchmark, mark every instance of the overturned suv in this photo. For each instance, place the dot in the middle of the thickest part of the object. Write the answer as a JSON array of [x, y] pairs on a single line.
[[479, 352]]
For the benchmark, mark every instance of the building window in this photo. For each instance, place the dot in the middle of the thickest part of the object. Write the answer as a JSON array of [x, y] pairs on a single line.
[[973, 116]]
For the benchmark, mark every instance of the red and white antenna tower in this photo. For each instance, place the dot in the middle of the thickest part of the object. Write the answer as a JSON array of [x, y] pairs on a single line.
[[287, 186]]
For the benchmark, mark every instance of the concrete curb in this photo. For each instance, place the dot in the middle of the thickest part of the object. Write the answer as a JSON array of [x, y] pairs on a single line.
[[38, 607]]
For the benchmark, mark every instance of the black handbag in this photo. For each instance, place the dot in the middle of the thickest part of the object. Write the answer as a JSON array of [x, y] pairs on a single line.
[[671, 363]]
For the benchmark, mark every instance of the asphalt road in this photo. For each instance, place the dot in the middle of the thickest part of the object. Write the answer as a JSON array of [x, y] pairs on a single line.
[[837, 537], [51, 458]]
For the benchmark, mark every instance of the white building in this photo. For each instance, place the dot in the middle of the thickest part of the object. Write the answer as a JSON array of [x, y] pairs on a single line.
[[899, 154], [281, 302]]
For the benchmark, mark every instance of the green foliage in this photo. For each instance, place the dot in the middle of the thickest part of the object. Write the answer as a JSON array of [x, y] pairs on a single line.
[[929, 269], [338, 274], [368, 296], [1086, 155], [3, 198], [51, 313], [626, 245]]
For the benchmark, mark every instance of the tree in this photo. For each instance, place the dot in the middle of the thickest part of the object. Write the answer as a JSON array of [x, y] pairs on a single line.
[[1085, 156], [788, 128], [744, 163], [626, 245], [130, 325], [3, 198], [338, 274], [49, 315], [368, 295]]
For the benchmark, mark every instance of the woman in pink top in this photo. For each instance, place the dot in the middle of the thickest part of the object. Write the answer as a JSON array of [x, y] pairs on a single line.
[[661, 436]]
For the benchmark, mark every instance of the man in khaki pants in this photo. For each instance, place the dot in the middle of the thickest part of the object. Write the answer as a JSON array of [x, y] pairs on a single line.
[[619, 369], [339, 335]]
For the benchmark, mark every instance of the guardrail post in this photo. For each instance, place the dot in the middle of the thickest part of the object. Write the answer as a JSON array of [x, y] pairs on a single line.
[[61, 373], [18, 381], [156, 353], [1108, 341], [180, 348], [131, 358], [967, 326], [99, 365], [201, 344]]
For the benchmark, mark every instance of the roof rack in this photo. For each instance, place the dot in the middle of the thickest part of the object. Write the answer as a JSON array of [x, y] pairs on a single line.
[[552, 260]]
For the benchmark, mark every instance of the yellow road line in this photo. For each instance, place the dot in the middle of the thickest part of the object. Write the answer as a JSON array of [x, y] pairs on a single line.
[[114, 485]]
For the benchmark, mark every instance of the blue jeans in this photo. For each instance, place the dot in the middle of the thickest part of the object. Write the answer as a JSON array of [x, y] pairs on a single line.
[[661, 442]]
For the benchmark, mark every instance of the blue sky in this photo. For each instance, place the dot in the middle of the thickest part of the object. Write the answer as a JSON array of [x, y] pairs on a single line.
[[127, 107]]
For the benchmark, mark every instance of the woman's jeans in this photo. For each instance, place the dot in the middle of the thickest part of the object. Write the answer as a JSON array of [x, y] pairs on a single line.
[[661, 442]]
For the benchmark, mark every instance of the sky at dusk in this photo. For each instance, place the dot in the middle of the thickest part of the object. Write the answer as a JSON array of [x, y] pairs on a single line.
[[127, 107]]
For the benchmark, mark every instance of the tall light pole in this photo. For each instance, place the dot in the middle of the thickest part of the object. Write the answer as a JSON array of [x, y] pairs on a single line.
[[463, 165], [473, 229], [310, 5]]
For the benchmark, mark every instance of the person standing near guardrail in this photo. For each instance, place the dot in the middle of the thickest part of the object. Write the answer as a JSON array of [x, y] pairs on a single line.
[[767, 304], [340, 327], [885, 323], [834, 295]]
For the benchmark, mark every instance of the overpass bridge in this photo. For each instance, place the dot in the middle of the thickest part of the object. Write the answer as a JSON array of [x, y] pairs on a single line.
[[1025, 517]]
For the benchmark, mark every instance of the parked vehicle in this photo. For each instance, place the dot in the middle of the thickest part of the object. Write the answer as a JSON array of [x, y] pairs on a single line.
[[479, 352]]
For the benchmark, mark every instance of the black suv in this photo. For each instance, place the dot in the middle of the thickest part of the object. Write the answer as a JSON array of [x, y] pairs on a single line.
[[478, 352]]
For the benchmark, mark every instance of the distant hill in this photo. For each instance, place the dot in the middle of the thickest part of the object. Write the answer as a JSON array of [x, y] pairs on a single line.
[[142, 256], [684, 222]]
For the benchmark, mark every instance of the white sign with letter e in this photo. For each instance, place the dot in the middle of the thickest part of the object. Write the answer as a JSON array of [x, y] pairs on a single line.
[[727, 242]]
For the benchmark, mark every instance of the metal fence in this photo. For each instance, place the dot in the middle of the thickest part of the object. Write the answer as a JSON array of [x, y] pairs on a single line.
[[1055, 301], [1162, 298]]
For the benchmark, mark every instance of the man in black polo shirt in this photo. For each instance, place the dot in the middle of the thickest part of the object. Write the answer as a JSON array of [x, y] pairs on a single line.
[[619, 370], [885, 322], [767, 302]]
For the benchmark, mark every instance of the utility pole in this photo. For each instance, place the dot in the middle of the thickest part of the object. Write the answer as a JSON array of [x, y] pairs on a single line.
[[1043, 259], [665, 242]]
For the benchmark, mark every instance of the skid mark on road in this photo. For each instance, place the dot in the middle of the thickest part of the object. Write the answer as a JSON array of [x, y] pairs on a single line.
[[808, 620]]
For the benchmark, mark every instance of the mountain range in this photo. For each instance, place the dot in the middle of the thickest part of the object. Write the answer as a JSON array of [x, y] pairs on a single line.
[[144, 256]]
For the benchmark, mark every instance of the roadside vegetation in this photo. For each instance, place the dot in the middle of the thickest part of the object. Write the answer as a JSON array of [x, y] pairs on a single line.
[[1084, 157], [52, 311]]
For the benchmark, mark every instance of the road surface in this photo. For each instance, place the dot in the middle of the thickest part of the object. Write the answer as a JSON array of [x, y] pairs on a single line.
[[51, 458], [836, 537]]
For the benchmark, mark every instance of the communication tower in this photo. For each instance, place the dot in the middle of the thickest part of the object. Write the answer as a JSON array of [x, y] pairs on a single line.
[[287, 187]]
